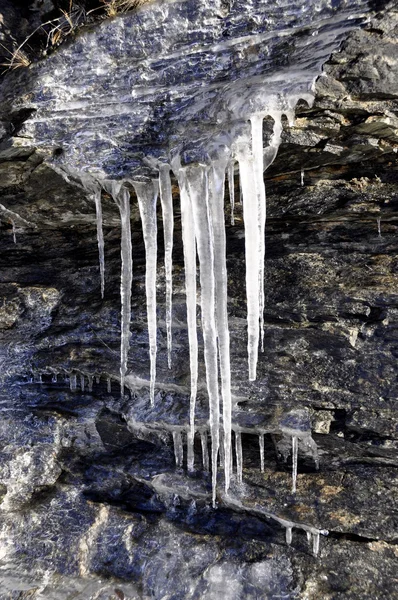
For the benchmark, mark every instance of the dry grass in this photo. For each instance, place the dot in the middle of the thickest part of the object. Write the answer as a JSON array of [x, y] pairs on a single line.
[[115, 7], [57, 30]]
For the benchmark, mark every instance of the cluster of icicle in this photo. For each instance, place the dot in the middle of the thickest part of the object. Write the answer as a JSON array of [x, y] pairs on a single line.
[[202, 188], [203, 234]]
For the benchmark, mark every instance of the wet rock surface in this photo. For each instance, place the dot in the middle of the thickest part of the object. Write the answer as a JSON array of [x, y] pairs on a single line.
[[92, 502]]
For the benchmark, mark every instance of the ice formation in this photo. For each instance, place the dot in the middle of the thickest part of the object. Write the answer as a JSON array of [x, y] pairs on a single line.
[[100, 237], [166, 200], [147, 194]]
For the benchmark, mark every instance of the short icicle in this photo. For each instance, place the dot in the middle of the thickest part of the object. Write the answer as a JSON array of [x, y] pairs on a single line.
[[178, 448], [294, 462], [82, 382], [189, 247], [289, 535], [198, 190], [216, 205], [205, 451], [166, 200], [121, 196], [239, 456], [231, 186], [147, 195], [14, 232], [190, 450], [100, 238], [261, 444], [73, 381], [315, 543], [90, 383]]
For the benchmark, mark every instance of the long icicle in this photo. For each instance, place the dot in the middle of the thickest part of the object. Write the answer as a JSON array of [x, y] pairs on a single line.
[[252, 243], [216, 204], [147, 195], [122, 199], [189, 245], [231, 186], [258, 164], [197, 184], [166, 200], [100, 238]]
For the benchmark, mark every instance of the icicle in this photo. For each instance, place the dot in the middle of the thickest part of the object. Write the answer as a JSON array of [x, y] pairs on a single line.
[[315, 543], [231, 185], [379, 227], [197, 184], [122, 198], [205, 451], [100, 238], [190, 450], [90, 383], [14, 232], [178, 448], [108, 385], [73, 381], [222, 450], [40, 378], [252, 245], [302, 177], [261, 443], [294, 461], [258, 171], [188, 239], [147, 194], [97, 378], [289, 535], [217, 227], [309, 537], [54, 378], [239, 456], [166, 200]]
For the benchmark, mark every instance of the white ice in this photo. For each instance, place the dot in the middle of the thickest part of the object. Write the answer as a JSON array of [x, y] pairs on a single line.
[[147, 195], [166, 200]]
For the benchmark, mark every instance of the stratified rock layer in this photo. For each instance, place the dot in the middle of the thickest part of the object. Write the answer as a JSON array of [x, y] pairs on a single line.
[[91, 498]]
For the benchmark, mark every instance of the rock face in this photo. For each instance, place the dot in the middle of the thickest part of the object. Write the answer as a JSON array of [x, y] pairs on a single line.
[[93, 505]]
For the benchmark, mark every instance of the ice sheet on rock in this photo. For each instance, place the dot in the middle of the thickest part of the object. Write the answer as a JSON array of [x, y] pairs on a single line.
[[216, 178], [189, 247], [166, 200], [147, 195], [121, 196]]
